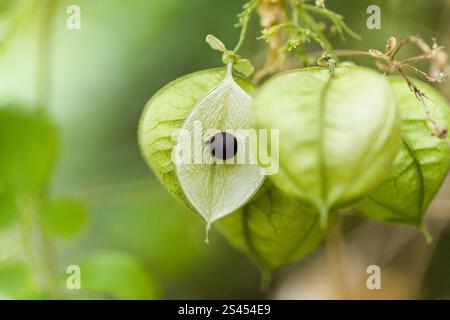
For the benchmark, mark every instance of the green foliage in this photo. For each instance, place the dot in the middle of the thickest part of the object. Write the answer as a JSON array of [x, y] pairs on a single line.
[[63, 217], [421, 165], [140, 219], [338, 133], [5, 6], [273, 228], [115, 275], [17, 281], [8, 209], [28, 144]]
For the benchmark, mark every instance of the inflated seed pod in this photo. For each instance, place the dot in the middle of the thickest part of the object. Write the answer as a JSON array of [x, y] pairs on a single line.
[[422, 163], [339, 133]]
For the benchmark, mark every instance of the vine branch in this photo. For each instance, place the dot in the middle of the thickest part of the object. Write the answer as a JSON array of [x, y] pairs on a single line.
[[243, 21]]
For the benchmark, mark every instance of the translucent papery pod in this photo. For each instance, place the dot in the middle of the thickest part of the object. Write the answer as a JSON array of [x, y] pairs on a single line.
[[215, 156], [165, 114]]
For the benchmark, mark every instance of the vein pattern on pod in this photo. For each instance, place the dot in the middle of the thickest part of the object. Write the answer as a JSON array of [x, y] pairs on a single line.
[[217, 186], [421, 165], [338, 134], [274, 229], [165, 113]]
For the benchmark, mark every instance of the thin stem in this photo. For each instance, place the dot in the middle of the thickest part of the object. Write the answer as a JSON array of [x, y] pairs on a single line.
[[244, 19], [335, 18], [294, 8], [295, 20], [309, 21], [421, 73], [349, 53], [242, 37], [417, 59]]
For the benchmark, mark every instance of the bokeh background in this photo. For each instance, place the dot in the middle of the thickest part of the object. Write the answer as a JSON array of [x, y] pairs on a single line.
[[131, 238]]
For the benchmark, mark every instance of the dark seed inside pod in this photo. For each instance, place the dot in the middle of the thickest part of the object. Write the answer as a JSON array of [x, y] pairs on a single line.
[[223, 146]]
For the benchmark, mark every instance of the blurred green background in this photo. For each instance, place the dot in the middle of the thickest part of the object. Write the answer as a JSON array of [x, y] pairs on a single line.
[[130, 237]]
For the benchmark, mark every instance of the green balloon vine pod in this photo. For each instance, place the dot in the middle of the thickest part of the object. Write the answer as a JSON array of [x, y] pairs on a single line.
[[339, 133], [421, 165]]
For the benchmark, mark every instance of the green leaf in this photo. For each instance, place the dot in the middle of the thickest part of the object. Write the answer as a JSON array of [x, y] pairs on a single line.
[[17, 281], [5, 6], [166, 112], [28, 144], [273, 228], [63, 217], [421, 165], [219, 177], [8, 208], [338, 134], [115, 275]]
